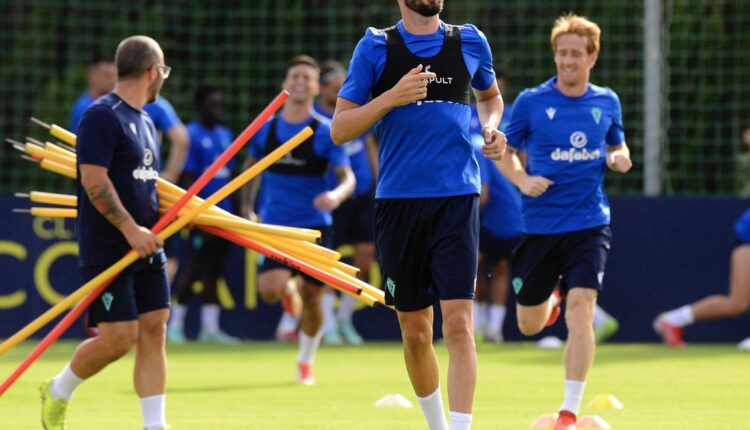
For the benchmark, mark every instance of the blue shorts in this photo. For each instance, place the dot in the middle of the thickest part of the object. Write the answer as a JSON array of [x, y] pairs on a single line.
[[140, 288], [576, 259], [495, 249], [353, 220], [427, 249], [266, 263]]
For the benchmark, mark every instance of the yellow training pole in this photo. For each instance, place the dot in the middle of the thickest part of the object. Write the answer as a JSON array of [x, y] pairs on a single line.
[[54, 212], [173, 192], [58, 168], [171, 229], [53, 198]]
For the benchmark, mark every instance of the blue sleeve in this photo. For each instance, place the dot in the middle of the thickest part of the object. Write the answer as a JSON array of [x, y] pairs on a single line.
[[616, 132], [98, 134], [478, 57], [365, 68], [518, 128], [163, 114], [192, 164], [257, 147], [325, 148], [75, 116]]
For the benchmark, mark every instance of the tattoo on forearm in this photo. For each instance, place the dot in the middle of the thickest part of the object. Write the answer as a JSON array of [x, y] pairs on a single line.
[[105, 200]]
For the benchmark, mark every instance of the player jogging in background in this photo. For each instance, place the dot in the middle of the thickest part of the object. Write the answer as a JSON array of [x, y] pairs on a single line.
[[571, 131], [353, 220], [669, 325], [419, 73], [101, 78], [206, 253], [295, 194], [118, 164]]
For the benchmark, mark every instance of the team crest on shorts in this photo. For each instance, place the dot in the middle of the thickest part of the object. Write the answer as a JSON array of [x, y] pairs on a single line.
[[517, 284], [391, 286], [107, 299]]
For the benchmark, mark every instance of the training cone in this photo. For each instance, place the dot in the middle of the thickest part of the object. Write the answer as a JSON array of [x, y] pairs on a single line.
[[592, 422], [546, 421], [605, 401], [550, 342], [393, 401]]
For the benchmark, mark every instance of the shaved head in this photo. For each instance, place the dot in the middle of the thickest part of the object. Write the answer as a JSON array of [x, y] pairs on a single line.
[[135, 55]]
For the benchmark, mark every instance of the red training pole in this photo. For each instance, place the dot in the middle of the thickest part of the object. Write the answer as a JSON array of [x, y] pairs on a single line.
[[197, 186], [290, 261]]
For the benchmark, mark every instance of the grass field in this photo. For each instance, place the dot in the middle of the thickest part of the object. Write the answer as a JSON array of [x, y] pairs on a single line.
[[250, 387]]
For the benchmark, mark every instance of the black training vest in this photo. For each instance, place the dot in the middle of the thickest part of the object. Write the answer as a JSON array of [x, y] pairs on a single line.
[[302, 160], [453, 79]]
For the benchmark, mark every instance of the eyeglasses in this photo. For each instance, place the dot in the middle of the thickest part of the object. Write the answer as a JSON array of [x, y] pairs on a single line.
[[163, 69]]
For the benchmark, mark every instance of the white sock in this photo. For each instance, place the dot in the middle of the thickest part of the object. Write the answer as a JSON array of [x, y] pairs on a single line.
[[153, 412], [65, 383], [480, 312], [177, 317], [600, 316], [680, 317], [210, 318], [346, 307], [328, 302], [287, 323], [573, 396], [460, 420], [432, 408], [307, 347], [497, 317]]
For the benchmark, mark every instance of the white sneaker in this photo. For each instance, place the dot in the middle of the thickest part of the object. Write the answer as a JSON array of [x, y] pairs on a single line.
[[744, 345]]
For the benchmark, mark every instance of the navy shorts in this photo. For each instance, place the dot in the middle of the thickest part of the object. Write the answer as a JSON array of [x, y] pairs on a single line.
[[495, 249], [427, 249], [140, 288], [353, 221], [577, 259], [266, 263]]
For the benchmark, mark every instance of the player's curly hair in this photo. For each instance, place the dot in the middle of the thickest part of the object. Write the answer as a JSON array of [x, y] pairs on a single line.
[[571, 23]]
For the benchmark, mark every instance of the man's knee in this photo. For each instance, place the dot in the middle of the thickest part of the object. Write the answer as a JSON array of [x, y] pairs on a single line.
[[528, 326], [153, 326], [311, 294], [457, 328], [119, 341], [271, 289], [579, 310], [738, 307], [416, 336]]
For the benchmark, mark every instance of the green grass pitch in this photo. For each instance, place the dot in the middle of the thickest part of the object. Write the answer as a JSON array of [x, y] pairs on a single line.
[[251, 387]]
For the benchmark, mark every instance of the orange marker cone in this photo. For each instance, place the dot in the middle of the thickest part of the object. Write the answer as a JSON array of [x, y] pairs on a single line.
[[546, 421], [593, 422]]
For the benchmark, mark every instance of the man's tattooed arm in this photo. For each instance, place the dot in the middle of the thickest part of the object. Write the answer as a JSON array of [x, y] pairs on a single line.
[[104, 197]]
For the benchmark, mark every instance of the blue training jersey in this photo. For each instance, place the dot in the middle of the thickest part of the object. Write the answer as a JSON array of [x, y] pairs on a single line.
[[161, 111], [79, 107], [163, 114], [287, 199], [742, 227], [501, 215], [565, 139], [359, 159], [207, 145], [115, 135], [425, 148]]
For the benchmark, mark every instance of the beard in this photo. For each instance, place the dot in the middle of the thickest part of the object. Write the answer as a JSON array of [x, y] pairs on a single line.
[[153, 90], [426, 8]]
